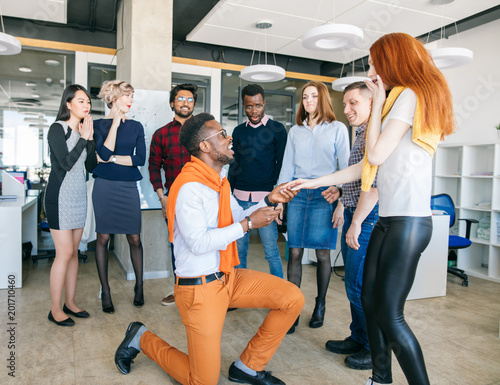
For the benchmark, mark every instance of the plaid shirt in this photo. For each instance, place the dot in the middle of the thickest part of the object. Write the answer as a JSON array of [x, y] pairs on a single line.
[[352, 190], [166, 151]]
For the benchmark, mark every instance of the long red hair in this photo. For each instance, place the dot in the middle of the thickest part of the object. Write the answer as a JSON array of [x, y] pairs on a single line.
[[401, 60], [324, 110]]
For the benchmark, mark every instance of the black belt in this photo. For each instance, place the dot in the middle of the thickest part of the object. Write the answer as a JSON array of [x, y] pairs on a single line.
[[199, 280]]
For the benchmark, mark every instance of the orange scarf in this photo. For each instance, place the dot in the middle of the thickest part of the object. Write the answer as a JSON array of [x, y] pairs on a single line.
[[198, 171]]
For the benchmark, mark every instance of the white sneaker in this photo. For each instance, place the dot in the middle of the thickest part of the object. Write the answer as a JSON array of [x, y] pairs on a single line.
[[371, 382]]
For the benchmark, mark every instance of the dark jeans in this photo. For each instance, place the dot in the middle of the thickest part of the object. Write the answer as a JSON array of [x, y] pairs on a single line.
[[354, 261], [391, 262], [269, 238]]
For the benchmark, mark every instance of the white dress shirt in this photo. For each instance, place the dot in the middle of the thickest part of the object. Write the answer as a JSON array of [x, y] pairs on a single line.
[[197, 238]]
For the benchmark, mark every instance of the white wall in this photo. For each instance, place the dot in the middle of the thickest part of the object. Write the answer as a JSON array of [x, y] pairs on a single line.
[[476, 86]]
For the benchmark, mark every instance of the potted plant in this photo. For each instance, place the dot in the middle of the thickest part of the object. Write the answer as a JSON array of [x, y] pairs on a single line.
[[498, 131]]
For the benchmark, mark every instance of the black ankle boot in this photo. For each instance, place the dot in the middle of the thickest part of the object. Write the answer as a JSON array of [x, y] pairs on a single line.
[[318, 314], [292, 329]]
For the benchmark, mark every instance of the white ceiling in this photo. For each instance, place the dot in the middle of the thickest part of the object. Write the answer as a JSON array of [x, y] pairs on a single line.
[[232, 23], [43, 10]]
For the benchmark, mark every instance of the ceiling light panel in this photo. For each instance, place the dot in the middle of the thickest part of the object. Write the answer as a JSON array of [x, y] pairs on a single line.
[[316, 10], [456, 10], [47, 10], [232, 22]]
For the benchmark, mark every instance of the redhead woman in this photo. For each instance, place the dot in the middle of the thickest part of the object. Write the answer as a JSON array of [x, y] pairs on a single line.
[[316, 145], [71, 149], [121, 149], [405, 127]]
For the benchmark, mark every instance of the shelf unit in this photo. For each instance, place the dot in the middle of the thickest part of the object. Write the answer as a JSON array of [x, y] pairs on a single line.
[[470, 174]]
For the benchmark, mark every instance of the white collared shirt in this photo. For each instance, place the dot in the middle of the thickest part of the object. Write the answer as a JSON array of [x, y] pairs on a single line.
[[197, 238]]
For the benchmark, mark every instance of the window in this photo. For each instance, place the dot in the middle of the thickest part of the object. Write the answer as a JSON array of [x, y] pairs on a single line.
[[31, 86]]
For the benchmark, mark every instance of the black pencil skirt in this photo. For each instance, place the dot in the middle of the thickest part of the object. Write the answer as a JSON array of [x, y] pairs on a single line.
[[116, 206]]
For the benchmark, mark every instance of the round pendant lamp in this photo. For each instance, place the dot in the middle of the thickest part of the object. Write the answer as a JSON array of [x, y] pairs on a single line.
[[341, 83], [451, 57], [9, 45], [331, 37], [262, 73]]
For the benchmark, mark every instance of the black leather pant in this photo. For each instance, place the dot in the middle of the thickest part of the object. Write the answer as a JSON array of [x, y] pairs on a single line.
[[391, 262]]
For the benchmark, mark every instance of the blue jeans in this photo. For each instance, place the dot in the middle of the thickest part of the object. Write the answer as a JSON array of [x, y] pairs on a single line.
[[269, 238], [354, 261]]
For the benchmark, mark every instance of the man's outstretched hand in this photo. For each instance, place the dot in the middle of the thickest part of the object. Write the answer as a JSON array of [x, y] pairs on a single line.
[[282, 195]]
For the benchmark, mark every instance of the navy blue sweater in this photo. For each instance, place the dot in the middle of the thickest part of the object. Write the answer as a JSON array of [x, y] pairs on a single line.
[[258, 153], [129, 141]]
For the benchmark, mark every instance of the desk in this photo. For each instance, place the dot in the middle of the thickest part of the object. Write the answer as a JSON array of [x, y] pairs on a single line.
[[432, 270], [431, 277], [18, 224]]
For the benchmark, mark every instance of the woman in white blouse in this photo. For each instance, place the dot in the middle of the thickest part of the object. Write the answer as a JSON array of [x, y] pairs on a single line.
[[317, 144]]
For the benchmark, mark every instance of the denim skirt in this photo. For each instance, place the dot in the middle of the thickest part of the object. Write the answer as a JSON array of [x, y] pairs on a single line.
[[309, 221]]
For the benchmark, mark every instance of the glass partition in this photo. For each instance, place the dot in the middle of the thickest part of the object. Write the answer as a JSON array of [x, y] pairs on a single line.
[[98, 74], [31, 86], [282, 100]]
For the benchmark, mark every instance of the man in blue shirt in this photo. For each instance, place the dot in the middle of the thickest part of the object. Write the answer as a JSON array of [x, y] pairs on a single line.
[[259, 145]]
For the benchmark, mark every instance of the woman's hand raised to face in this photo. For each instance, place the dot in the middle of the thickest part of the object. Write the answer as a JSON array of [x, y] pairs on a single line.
[[86, 129], [376, 86], [119, 114]]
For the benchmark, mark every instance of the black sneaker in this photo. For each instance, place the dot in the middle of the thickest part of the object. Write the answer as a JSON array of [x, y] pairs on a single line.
[[347, 346], [362, 360], [261, 378], [125, 354]]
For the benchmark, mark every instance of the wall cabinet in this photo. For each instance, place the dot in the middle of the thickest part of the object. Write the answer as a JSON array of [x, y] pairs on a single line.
[[470, 174]]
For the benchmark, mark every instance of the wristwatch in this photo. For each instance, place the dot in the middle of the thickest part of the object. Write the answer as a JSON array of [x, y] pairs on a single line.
[[249, 224], [113, 159]]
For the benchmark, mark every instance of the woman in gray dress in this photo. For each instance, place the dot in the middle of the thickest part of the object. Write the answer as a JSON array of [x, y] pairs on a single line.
[[72, 149]]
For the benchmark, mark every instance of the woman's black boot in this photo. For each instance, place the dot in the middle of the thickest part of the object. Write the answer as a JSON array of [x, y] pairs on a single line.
[[318, 314]]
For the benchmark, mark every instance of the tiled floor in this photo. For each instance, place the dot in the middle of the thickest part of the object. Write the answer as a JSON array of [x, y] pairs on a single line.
[[458, 333]]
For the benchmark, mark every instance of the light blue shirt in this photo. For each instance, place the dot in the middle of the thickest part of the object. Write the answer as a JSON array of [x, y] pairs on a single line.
[[314, 153]]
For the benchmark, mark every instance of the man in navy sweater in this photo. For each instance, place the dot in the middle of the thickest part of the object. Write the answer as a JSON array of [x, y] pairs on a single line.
[[258, 145]]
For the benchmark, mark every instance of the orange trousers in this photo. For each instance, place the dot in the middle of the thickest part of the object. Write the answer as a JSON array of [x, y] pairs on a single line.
[[203, 309]]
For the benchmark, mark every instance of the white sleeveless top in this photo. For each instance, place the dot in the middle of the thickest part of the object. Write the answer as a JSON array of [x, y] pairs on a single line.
[[404, 180]]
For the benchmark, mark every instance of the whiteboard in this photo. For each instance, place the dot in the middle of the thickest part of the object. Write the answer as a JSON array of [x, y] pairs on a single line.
[[152, 110]]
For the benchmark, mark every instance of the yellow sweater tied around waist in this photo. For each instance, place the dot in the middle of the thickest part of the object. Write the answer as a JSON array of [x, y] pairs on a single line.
[[427, 140]]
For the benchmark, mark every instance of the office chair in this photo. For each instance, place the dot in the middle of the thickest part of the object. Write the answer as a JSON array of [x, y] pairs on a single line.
[[443, 202], [49, 254], [44, 254]]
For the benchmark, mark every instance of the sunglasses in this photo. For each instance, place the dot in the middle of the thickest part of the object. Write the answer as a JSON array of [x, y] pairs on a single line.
[[222, 133], [183, 99]]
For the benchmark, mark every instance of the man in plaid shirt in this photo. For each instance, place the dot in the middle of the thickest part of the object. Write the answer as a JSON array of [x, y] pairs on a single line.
[[167, 152], [360, 216]]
